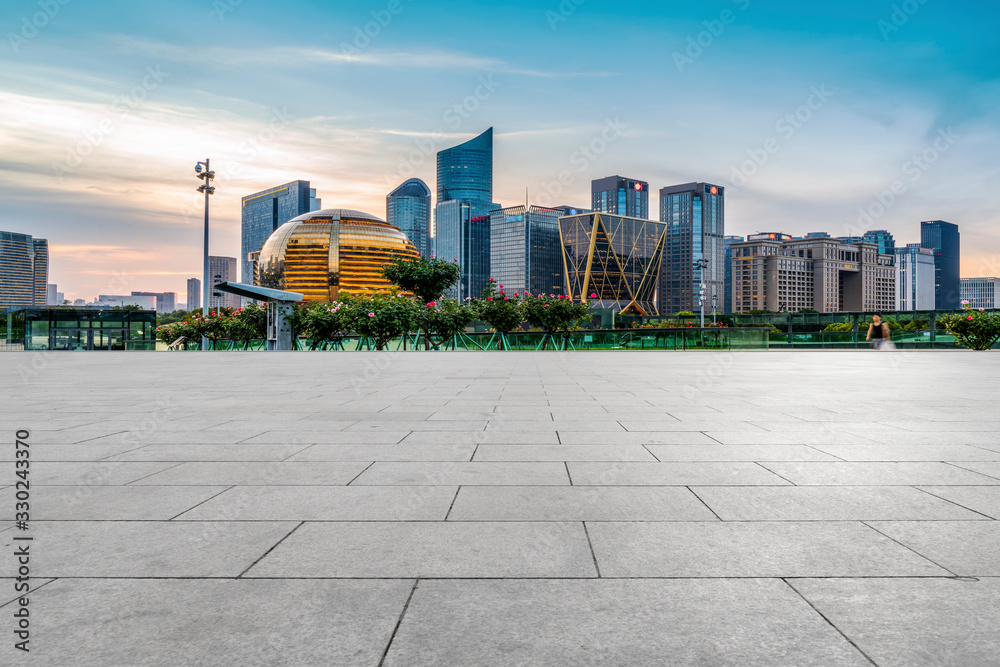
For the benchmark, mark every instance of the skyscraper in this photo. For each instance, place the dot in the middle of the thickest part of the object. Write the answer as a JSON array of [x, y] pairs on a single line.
[[466, 171], [695, 214], [264, 212], [221, 270], [914, 278], [24, 270], [166, 302], [193, 294], [50, 295], [883, 239], [620, 195], [981, 292], [461, 217], [943, 238], [727, 303], [525, 252], [409, 208]]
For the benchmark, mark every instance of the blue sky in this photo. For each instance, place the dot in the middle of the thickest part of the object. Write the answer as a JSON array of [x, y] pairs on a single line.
[[817, 116]]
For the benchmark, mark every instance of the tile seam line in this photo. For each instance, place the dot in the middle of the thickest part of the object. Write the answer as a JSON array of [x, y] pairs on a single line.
[[829, 622], [590, 544], [905, 546], [215, 495], [273, 547], [957, 504], [774, 473], [955, 464], [179, 463], [360, 473], [399, 622], [702, 501]]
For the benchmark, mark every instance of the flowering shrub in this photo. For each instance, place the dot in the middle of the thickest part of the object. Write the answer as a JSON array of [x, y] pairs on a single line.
[[321, 321], [381, 317], [426, 278], [555, 315], [974, 329], [500, 310], [441, 321]]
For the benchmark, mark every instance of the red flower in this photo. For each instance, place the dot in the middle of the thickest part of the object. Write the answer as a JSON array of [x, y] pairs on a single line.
[[593, 295], [431, 304], [970, 317], [489, 298]]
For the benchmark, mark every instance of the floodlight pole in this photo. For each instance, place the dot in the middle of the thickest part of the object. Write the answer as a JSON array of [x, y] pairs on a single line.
[[702, 264], [207, 188]]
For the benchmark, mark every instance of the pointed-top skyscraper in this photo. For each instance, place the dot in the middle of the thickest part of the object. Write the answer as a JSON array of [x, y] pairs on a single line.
[[462, 213]]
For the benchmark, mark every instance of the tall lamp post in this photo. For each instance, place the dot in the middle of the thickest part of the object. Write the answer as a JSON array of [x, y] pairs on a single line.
[[701, 265], [204, 172], [715, 308]]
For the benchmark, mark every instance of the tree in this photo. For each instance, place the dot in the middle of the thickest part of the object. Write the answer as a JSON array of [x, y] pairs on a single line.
[[321, 321], [442, 321], [426, 278], [501, 311], [974, 329], [555, 315], [381, 317]]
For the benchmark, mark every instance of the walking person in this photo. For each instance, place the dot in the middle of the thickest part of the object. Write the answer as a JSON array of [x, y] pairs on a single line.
[[878, 333]]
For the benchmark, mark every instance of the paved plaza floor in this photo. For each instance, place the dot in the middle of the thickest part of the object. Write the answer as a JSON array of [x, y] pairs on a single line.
[[436, 508]]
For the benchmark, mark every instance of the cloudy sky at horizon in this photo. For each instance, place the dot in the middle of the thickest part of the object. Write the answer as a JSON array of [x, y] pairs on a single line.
[[810, 113]]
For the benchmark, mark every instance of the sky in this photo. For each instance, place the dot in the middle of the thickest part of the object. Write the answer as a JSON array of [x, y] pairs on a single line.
[[836, 117]]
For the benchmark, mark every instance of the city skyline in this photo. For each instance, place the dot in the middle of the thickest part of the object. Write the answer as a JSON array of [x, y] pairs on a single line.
[[849, 110]]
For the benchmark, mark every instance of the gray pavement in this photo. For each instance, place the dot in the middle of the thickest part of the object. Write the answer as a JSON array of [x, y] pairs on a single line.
[[589, 508]]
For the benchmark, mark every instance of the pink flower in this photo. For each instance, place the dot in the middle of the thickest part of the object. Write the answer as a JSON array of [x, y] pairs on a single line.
[[546, 305], [468, 298], [371, 314], [489, 298], [506, 298], [970, 318], [965, 303], [431, 304], [593, 295], [981, 309], [501, 287]]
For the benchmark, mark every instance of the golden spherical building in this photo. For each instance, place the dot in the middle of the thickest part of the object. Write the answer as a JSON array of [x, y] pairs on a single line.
[[324, 254]]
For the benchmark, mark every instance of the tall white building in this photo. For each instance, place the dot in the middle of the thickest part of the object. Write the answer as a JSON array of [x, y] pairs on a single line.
[[914, 278], [980, 292], [193, 294], [222, 270]]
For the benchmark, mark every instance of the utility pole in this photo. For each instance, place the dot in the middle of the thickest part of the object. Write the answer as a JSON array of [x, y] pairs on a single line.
[[204, 172]]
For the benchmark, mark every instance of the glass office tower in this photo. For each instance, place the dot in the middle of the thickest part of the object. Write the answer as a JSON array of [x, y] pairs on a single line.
[[943, 238], [409, 208], [461, 217], [695, 215], [24, 270], [883, 239], [620, 195], [264, 212], [525, 253], [193, 294], [466, 171], [616, 258]]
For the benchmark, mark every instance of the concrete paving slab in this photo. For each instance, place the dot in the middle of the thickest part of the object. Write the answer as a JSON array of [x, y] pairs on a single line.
[[450, 550], [326, 503], [114, 503], [990, 467], [578, 503], [255, 473], [912, 622], [401, 452], [149, 548], [966, 548], [738, 453], [169, 622], [877, 474], [310, 437], [85, 452], [541, 436], [671, 474], [182, 453], [830, 503], [896, 452], [638, 438], [563, 453], [84, 473], [817, 436], [759, 549], [453, 474], [614, 622]]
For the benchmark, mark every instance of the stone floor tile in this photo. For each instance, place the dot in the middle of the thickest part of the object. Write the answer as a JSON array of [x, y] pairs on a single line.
[[876, 474], [174, 453], [257, 473], [432, 549], [615, 623], [738, 453], [169, 622], [912, 622], [401, 452], [456, 474], [896, 452], [563, 453], [92, 473], [671, 474], [578, 503], [760, 549], [966, 548], [113, 503]]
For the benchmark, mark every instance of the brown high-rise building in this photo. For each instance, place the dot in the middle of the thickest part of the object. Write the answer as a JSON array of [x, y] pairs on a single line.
[[777, 273]]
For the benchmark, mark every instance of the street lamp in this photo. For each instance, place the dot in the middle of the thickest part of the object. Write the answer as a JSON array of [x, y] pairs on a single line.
[[715, 301], [701, 265], [204, 172]]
